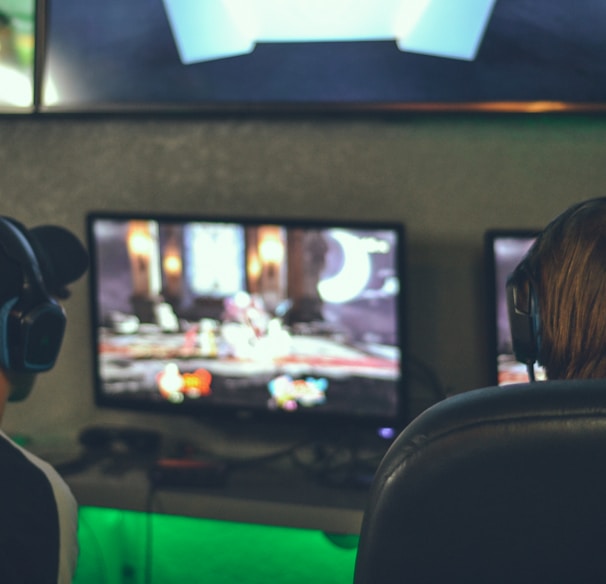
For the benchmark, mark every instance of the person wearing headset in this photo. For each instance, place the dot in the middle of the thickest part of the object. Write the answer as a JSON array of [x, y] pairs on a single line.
[[38, 513], [557, 296]]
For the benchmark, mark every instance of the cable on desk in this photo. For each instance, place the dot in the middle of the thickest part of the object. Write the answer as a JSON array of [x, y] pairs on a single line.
[[149, 512], [237, 463], [190, 452], [338, 466]]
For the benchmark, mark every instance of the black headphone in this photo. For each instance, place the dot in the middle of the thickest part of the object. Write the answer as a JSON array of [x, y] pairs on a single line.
[[32, 324], [524, 321]]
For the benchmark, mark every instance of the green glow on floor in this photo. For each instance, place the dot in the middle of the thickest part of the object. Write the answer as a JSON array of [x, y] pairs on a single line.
[[114, 548]]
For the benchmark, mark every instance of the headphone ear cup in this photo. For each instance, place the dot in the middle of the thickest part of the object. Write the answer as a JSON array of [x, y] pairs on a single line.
[[523, 315], [37, 334], [32, 324]]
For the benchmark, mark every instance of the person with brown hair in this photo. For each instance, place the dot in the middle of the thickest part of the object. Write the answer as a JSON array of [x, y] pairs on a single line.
[[557, 296]]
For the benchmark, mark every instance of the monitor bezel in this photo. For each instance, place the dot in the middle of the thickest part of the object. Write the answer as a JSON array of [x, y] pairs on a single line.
[[490, 238], [482, 106], [219, 411]]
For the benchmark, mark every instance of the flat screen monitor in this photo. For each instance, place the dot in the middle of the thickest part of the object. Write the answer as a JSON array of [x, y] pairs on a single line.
[[17, 55], [291, 319], [277, 55], [504, 250]]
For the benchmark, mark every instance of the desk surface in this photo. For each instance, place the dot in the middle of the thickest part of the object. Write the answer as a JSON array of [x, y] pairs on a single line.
[[303, 486], [264, 495]]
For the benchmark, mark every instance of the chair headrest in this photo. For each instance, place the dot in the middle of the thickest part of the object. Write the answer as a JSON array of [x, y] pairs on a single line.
[[496, 484]]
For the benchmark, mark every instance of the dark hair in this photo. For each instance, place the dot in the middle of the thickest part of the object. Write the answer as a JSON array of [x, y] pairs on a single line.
[[568, 266]]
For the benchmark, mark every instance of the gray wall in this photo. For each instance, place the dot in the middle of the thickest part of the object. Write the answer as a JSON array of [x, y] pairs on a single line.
[[447, 178]]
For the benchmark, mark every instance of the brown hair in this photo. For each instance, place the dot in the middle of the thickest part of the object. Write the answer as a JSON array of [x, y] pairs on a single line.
[[568, 265]]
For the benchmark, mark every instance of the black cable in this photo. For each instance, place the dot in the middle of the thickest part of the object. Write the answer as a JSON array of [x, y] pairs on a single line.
[[241, 462], [338, 466], [149, 508], [530, 369], [328, 464], [429, 376], [236, 463]]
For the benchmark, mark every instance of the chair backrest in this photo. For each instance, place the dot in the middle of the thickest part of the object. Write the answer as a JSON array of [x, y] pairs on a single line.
[[494, 485]]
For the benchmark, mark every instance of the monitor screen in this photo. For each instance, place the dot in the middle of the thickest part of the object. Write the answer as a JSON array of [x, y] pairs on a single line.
[[196, 315], [504, 251], [272, 55], [17, 55]]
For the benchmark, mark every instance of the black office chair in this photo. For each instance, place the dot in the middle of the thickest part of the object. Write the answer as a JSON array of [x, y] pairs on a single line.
[[491, 486]]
